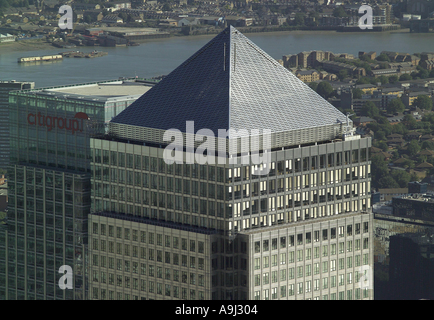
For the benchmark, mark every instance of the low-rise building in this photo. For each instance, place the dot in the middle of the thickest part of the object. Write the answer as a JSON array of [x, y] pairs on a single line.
[[389, 193], [307, 75], [7, 37]]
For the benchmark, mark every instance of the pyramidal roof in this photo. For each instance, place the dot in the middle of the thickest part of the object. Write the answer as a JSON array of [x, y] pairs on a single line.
[[231, 83]]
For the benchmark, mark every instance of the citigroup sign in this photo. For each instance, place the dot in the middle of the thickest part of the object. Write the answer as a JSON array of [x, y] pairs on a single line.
[[75, 124]]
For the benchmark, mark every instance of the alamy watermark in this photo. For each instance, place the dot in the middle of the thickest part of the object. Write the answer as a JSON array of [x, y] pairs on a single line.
[[366, 21], [66, 21], [66, 280], [244, 145]]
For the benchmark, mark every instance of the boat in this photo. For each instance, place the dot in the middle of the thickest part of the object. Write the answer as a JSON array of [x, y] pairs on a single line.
[[41, 58]]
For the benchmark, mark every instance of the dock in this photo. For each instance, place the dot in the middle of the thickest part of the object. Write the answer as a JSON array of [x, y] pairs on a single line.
[[79, 54]]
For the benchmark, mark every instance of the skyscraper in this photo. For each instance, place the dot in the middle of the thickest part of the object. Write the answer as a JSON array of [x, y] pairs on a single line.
[[296, 226], [49, 184], [5, 87]]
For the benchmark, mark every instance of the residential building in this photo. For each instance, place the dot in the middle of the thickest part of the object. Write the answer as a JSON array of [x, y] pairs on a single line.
[[225, 229], [307, 75], [409, 98]]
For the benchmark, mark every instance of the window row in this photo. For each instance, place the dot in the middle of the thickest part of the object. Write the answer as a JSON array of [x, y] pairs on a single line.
[[166, 274], [147, 237], [309, 237], [153, 288], [151, 255], [291, 290]]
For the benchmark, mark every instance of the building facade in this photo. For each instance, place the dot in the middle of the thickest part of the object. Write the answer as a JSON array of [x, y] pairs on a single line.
[[49, 184], [5, 88], [226, 229]]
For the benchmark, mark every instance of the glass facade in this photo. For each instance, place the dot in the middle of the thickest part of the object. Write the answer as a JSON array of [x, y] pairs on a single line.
[[404, 258], [49, 190], [5, 88], [324, 189]]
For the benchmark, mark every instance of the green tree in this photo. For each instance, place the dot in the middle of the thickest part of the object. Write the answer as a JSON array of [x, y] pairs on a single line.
[[394, 106], [427, 145], [379, 170], [401, 177], [423, 74], [324, 89], [423, 102], [393, 79], [383, 79], [387, 182], [380, 135], [369, 109], [383, 57], [409, 121], [313, 85], [299, 19], [405, 77], [363, 80], [339, 12], [342, 74], [357, 93], [413, 148]]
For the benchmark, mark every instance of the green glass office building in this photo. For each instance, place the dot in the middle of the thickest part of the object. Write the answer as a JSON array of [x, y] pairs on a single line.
[[49, 184]]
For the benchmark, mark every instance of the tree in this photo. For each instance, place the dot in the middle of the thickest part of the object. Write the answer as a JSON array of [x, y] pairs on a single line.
[[383, 79], [357, 93], [405, 77], [401, 177], [313, 85], [393, 79], [369, 109], [342, 74], [363, 80], [324, 89], [394, 106], [339, 12], [409, 121], [423, 102], [387, 182], [427, 145], [383, 57], [299, 19], [380, 135], [423, 74], [413, 148], [166, 7], [379, 170]]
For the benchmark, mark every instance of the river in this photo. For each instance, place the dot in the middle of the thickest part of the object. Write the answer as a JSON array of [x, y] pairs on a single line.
[[161, 56]]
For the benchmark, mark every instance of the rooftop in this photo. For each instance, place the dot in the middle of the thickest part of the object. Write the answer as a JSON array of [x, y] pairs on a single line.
[[231, 83], [99, 91]]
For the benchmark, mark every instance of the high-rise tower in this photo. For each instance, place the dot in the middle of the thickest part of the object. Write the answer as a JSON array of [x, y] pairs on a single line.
[[296, 226], [49, 184]]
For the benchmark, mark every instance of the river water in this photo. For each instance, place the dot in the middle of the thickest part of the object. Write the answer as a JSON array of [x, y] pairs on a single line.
[[161, 56]]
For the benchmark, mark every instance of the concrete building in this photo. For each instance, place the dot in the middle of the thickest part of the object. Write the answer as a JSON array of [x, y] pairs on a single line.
[[5, 88], [404, 250], [307, 75], [49, 184], [302, 229]]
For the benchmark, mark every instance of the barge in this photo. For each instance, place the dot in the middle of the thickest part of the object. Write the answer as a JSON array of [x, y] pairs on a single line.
[[41, 58]]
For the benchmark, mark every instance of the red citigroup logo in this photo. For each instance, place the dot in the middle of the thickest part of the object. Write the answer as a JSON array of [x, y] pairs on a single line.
[[75, 124]]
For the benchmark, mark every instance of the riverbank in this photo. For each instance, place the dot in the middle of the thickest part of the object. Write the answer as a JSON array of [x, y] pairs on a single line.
[[25, 45], [41, 44]]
